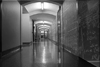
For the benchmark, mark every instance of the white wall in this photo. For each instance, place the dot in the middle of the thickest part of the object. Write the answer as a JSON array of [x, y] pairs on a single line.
[[10, 24], [26, 28]]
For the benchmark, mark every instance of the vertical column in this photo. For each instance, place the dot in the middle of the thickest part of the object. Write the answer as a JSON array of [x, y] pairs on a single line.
[[59, 21], [33, 26], [62, 48], [0, 29], [20, 27]]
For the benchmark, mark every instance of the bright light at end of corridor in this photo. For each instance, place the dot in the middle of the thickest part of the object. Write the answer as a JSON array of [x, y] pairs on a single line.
[[42, 31]]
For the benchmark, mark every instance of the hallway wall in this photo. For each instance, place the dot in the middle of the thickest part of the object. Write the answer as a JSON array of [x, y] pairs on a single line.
[[89, 30], [10, 24], [81, 28], [26, 28], [70, 25]]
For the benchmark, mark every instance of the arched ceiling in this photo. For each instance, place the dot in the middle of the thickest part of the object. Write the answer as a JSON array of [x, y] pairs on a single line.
[[43, 25], [38, 5], [44, 11], [44, 17], [41, 7], [27, 1]]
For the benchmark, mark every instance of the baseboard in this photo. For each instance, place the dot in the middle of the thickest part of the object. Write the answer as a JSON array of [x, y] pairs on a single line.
[[9, 51], [15, 49]]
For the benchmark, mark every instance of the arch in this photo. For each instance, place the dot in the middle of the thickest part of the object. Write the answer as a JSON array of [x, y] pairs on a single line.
[[44, 11], [43, 17], [29, 2], [41, 7], [43, 26], [43, 22]]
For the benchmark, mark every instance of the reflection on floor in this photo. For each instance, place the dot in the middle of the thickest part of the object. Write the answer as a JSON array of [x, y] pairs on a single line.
[[40, 54], [45, 54]]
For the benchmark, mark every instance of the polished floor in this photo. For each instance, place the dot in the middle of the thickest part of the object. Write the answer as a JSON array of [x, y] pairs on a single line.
[[40, 54], [43, 53]]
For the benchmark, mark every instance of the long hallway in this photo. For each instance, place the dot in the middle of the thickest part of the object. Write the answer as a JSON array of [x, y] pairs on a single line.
[[43, 53], [49, 33]]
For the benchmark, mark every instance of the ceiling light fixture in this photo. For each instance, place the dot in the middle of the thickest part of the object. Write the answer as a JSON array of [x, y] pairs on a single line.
[[43, 22], [42, 5]]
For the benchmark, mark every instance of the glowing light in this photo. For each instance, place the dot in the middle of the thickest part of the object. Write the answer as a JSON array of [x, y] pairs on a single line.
[[45, 31], [42, 6], [42, 31], [44, 26], [43, 22]]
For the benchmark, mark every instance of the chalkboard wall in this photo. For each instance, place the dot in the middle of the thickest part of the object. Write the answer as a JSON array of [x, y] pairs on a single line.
[[88, 16]]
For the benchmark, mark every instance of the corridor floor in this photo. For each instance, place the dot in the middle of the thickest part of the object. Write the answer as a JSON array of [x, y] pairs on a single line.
[[40, 54], [45, 54]]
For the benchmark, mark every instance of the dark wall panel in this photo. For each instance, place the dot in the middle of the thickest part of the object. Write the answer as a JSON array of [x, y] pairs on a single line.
[[89, 30], [70, 25]]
